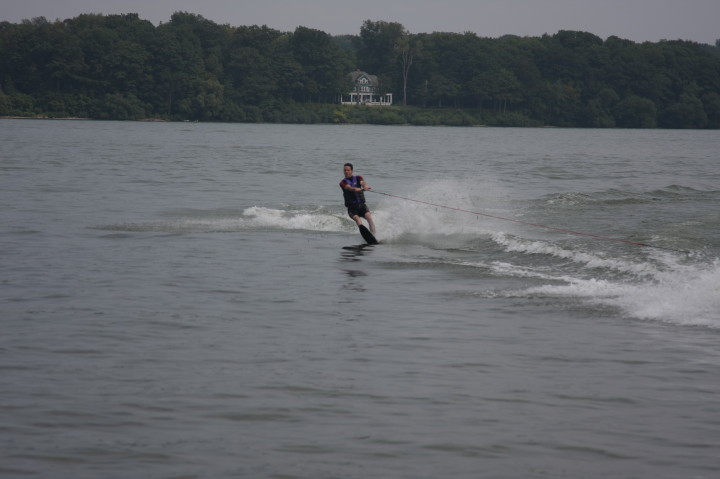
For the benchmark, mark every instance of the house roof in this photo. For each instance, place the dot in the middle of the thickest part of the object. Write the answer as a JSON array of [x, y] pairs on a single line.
[[357, 74]]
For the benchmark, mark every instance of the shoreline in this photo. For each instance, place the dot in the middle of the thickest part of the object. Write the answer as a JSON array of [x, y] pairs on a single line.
[[71, 118]]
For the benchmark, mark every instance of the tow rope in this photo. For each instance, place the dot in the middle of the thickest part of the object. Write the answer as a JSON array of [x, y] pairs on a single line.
[[528, 223]]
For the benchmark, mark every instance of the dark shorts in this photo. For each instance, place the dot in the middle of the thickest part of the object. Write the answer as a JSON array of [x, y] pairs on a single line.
[[360, 210]]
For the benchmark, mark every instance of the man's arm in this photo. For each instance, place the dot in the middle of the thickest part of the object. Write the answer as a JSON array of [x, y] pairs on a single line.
[[346, 186], [363, 186]]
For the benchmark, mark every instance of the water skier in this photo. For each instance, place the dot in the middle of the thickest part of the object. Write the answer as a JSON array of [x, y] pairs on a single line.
[[353, 187]]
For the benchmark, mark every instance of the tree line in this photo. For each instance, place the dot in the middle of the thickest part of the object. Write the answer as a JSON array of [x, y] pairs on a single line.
[[191, 68]]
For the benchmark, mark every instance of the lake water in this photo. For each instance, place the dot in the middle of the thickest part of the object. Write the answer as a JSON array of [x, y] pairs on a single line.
[[186, 300]]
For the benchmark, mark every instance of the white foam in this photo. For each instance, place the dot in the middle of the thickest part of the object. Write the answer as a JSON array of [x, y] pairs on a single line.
[[687, 296], [588, 259], [398, 217], [670, 291], [255, 217], [260, 217], [684, 295]]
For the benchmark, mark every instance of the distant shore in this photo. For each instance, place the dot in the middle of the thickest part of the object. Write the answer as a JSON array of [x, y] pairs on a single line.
[[44, 117]]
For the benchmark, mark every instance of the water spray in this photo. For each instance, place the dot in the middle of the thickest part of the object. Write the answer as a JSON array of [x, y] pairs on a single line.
[[528, 223]]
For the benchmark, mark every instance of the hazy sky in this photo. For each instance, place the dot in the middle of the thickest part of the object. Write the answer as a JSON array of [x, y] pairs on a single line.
[[637, 20]]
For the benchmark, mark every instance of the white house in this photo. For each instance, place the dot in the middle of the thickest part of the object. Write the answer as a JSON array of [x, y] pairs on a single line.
[[365, 91]]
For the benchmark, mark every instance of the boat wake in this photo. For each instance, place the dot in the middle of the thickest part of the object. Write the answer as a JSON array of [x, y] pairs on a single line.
[[664, 286], [638, 282], [249, 219]]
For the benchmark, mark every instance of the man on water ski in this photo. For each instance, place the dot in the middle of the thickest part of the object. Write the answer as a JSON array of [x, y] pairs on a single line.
[[353, 187]]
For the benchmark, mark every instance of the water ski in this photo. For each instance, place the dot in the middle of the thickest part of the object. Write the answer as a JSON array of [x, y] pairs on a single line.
[[367, 235]]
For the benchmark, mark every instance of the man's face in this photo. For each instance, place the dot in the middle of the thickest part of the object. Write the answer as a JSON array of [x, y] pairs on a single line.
[[348, 171]]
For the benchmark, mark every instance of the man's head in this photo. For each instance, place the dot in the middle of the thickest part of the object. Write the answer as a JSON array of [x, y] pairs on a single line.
[[348, 169]]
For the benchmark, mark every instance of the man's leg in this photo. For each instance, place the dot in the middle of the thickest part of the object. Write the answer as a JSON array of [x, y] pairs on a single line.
[[357, 220], [370, 221]]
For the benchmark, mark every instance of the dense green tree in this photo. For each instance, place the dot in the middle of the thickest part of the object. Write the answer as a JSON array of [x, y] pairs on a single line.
[[687, 112], [711, 104], [191, 68], [498, 87], [253, 71], [377, 47], [636, 112], [323, 64]]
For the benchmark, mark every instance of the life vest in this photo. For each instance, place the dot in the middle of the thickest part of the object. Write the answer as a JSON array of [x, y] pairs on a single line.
[[351, 197]]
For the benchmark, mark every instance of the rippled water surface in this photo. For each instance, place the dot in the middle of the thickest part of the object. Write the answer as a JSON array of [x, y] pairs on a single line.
[[190, 300]]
